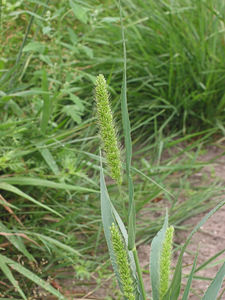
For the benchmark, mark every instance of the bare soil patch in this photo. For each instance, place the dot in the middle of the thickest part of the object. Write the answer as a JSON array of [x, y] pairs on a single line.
[[209, 240]]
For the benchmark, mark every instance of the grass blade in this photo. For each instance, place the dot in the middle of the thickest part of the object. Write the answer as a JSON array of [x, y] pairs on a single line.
[[16, 242], [45, 183], [215, 285], [156, 248], [128, 145], [50, 161], [31, 276], [53, 241], [188, 285], [5, 269], [207, 262], [10, 188], [174, 290], [46, 110], [107, 220]]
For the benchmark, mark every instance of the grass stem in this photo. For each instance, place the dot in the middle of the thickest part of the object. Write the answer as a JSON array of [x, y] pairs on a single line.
[[139, 272]]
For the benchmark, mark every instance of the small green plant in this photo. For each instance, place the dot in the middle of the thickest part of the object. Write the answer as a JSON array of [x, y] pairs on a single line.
[[124, 256], [121, 244]]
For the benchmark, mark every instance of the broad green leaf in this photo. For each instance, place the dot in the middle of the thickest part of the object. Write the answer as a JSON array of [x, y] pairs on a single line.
[[110, 19], [73, 112], [79, 12], [88, 51], [50, 160], [5, 269], [76, 100], [31, 276], [73, 36], [190, 277], [156, 247], [215, 285], [34, 47]]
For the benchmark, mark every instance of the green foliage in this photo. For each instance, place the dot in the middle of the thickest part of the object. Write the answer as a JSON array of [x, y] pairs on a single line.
[[160, 257], [25, 272], [51, 52]]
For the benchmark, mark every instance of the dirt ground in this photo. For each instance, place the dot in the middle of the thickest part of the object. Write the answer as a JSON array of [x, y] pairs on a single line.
[[208, 241]]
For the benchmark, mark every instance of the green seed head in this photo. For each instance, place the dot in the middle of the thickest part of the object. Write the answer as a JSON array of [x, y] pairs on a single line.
[[165, 262], [107, 129], [122, 262]]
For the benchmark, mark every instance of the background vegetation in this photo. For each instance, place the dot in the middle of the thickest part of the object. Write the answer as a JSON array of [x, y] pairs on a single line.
[[51, 52]]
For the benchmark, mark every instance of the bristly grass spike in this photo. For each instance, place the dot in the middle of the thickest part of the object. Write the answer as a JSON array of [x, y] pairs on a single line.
[[107, 129]]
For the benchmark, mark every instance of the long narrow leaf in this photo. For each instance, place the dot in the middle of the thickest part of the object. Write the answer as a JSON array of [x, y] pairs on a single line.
[[46, 110], [33, 277], [174, 290], [53, 241], [16, 242], [207, 262], [107, 220], [45, 183], [128, 146], [188, 285], [215, 285], [156, 248], [10, 188], [50, 161], [5, 269]]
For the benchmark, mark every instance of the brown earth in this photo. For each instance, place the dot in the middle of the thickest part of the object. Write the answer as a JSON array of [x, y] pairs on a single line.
[[209, 240]]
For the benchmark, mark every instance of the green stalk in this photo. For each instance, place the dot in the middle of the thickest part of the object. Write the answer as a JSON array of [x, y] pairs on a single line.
[[139, 272]]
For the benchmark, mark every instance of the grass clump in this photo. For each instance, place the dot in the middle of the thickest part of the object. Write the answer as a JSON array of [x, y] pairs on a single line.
[[161, 249], [51, 53]]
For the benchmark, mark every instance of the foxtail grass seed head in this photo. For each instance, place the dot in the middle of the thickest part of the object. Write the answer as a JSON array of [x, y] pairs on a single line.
[[107, 129], [165, 262], [122, 263]]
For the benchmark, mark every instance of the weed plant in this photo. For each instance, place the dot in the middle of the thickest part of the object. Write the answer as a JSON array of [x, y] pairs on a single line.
[[49, 161], [121, 244]]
